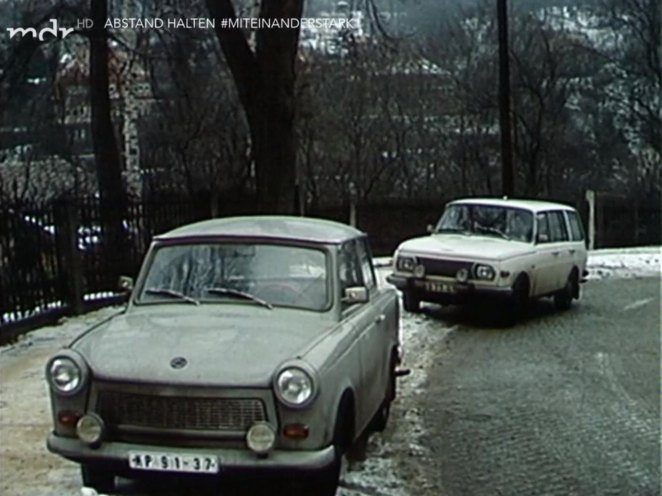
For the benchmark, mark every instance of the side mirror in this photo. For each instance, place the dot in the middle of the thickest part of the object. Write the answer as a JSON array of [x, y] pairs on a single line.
[[357, 294], [430, 228], [125, 284], [542, 238]]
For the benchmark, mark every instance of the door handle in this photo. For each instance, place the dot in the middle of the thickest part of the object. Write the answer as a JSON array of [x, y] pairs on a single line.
[[380, 318], [572, 252], [555, 253]]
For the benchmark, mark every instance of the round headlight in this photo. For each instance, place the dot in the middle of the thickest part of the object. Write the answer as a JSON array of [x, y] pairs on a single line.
[[294, 387], [260, 438], [485, 272], [462, 275], [89, 429], [65, 375]]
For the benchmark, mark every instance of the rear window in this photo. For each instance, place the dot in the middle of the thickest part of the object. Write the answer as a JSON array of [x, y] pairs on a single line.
[[557, 227], [576, 230]]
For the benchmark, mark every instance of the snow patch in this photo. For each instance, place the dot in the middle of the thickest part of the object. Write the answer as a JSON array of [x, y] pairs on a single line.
[[624, 263]]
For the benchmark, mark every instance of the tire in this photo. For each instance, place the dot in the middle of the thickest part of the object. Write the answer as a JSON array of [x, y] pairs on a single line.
[[517, 304], [98, 478], [411, 302], [563, 298], [325, 481]]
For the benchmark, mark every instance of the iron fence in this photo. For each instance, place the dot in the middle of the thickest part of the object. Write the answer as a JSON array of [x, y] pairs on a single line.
[[54, 260]]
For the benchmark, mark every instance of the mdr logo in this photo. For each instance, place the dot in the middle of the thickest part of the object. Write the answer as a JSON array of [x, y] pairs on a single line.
[[52, 29]]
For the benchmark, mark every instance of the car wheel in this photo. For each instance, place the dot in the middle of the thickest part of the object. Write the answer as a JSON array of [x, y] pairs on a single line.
[[411, 302], [324, 482], [563, 298], [517, 304], [98, 478]]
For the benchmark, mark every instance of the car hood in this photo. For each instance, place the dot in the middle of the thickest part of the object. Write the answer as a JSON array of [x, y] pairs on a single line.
[[219, 346], [462, 247]]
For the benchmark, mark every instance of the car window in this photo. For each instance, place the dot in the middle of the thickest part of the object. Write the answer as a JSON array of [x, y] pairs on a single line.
[[543, 228], [350, 269], [278, 274], [575, 226], [557, 228], [487, 220], [519, 225], [366, 264]]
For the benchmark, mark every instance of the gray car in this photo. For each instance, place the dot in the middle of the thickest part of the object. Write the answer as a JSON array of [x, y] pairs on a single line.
[[249, 344]]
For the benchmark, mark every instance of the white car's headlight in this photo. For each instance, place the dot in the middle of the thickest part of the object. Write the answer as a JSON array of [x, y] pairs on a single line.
[[294, 387], [65, 375], [484, 272], [405, 263]]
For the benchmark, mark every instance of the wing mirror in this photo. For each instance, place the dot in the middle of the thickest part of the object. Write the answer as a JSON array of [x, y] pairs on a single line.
[[542, 238], [357, 294], [430, 229], [125, 284]]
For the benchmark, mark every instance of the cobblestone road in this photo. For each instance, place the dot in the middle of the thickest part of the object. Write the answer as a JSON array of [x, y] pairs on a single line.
[[562, 404]]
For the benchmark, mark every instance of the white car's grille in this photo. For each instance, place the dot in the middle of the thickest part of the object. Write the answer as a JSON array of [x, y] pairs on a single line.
[[180, 413], [446, 268]]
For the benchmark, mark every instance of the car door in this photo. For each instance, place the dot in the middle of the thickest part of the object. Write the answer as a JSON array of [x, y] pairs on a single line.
[[577, 245], [545, 262], [563, 255], [368, 320]]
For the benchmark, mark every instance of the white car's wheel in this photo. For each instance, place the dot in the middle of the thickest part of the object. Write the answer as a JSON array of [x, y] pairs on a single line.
[[411, 302], [563, 298], [518, 303]]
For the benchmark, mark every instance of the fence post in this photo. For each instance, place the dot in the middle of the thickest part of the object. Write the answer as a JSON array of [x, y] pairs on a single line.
[[353, 196], [590, 198], [69, 260]]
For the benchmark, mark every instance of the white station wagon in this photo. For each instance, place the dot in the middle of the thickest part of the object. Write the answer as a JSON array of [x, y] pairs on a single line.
[[250, 346], [499, 249]]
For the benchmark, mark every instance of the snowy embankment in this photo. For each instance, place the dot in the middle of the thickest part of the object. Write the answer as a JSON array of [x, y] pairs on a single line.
[[625, 262]]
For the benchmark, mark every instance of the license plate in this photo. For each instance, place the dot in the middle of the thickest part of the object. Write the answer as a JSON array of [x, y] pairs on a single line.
[[173, 462], [436, 287]]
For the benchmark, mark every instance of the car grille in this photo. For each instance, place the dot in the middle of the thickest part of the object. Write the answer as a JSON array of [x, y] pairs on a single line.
[[182, 413], [446, 268]]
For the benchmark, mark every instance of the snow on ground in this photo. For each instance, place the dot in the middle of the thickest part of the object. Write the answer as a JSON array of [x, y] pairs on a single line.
[[625, 262]]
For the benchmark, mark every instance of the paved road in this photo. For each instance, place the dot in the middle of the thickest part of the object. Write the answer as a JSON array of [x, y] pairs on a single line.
[[563, 404]]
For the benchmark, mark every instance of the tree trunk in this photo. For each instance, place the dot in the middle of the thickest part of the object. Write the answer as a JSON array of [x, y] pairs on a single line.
[[265, 82], [106, 153]]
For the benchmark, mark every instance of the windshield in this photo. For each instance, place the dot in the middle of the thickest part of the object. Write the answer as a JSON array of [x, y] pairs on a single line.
[[487, 220], [261, 274]]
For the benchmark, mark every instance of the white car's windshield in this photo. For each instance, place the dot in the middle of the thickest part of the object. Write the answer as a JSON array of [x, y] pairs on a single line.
[[487, 220], [264, 274]]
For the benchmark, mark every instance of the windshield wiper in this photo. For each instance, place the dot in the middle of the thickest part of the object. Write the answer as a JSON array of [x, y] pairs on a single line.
[[172, 293], [493, 230], [240, 294]]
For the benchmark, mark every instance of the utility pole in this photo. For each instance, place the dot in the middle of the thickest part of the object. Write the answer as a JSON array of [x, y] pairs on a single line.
[[507, 169]]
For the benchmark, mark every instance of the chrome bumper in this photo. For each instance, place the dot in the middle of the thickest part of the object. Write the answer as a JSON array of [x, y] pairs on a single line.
[[466, 290], [230, 460]]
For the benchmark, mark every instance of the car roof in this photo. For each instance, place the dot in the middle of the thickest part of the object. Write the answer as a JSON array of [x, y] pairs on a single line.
[[267, 226], [533, 205]]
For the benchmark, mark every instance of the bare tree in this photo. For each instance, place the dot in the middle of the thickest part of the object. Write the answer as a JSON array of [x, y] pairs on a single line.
[[264, 75], [636, 69]]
